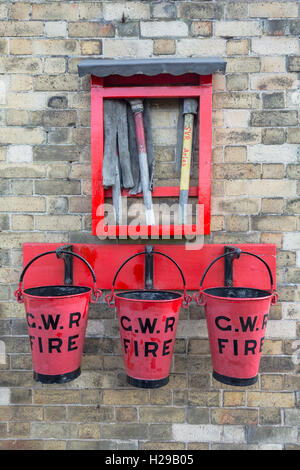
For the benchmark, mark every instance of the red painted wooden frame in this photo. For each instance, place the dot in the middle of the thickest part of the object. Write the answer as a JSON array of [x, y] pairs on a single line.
[[105, 259], [159, 86]]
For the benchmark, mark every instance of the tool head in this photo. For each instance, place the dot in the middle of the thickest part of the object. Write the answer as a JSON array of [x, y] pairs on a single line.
[[190, 106], [137, 105]]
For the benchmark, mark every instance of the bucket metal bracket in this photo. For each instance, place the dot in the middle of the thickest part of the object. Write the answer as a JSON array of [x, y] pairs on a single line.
[[233, 253], [68, 260], [149, 267]]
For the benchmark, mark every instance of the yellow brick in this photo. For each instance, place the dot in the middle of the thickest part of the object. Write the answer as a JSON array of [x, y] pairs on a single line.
[[272, 205], [164, 47], [265, 399], [57, 223], [272, 347], [92, 47], [90, 11], [218, 82], [243, 65], [2, 152], [236, 136], [217, 155], [272, 382], [61, 82], [236, 117], [3, 46], [235, 154], [171, 446], [21, 28], [125, 397], [3, 11], [54, 445], [197, 446], [55, 65], [274, 10], [274, 223], [235, 205], [55, 47], [16, 117], [88, 29], [271, 63], [8, 275], [22, 204], [17, 64], [26, 135], [20, 46], [22, 222], [275, 238], [237, 223], [59, 11], [234, 398], [49, 397], [281, 45], [272, 188], [19, 430], [237, 47], [19, 11], [89, 431], [160, 397], [217, 188], [16, 240], [21, 83], [217, 223], [201, 28], [231, 416], [160, 414], [22, 170], [126, 414], [26, 101], [278, 81], [217, 118]]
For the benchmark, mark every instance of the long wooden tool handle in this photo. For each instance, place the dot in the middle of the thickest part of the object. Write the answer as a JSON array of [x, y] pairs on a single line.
[[116, 194], [186, 163], [137, 108]]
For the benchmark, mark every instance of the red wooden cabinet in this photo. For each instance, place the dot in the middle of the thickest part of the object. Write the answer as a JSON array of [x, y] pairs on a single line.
[[109, 85]]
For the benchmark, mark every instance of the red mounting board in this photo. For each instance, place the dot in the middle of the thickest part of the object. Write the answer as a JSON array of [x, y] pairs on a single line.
[[106, 259], [160, 86]]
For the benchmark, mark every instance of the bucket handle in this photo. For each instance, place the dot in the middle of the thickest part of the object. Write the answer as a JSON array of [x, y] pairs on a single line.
[[96, 293], [238, 252], [187, 298]]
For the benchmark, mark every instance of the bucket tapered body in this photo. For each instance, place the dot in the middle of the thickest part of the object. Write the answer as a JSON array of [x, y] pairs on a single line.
[[57, 318], [236, 330], [56, 327], [148, 323], [236, 321]]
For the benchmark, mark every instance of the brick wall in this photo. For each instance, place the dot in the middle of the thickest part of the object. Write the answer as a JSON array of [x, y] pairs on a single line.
[[45, 196]]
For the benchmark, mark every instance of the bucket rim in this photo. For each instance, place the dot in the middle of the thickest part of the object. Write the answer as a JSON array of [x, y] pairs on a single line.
[[89, 289], [180, 295], [237, 298]]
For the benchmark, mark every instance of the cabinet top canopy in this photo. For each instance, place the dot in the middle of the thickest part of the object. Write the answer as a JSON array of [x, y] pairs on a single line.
[[151, 67]]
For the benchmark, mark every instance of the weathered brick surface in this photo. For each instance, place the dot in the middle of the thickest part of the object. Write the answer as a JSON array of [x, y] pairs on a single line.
[[45, 197]]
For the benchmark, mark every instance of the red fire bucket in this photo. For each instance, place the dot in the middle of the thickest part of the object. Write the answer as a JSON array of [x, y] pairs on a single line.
[[57, 318], [236, 321], [148, 322]]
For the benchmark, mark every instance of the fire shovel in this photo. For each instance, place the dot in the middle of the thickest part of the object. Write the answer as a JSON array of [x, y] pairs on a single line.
[[190, 107]]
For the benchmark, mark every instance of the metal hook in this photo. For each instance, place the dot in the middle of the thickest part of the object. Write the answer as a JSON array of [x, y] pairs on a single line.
[[68, 260], [149, 268], [228, 264]]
